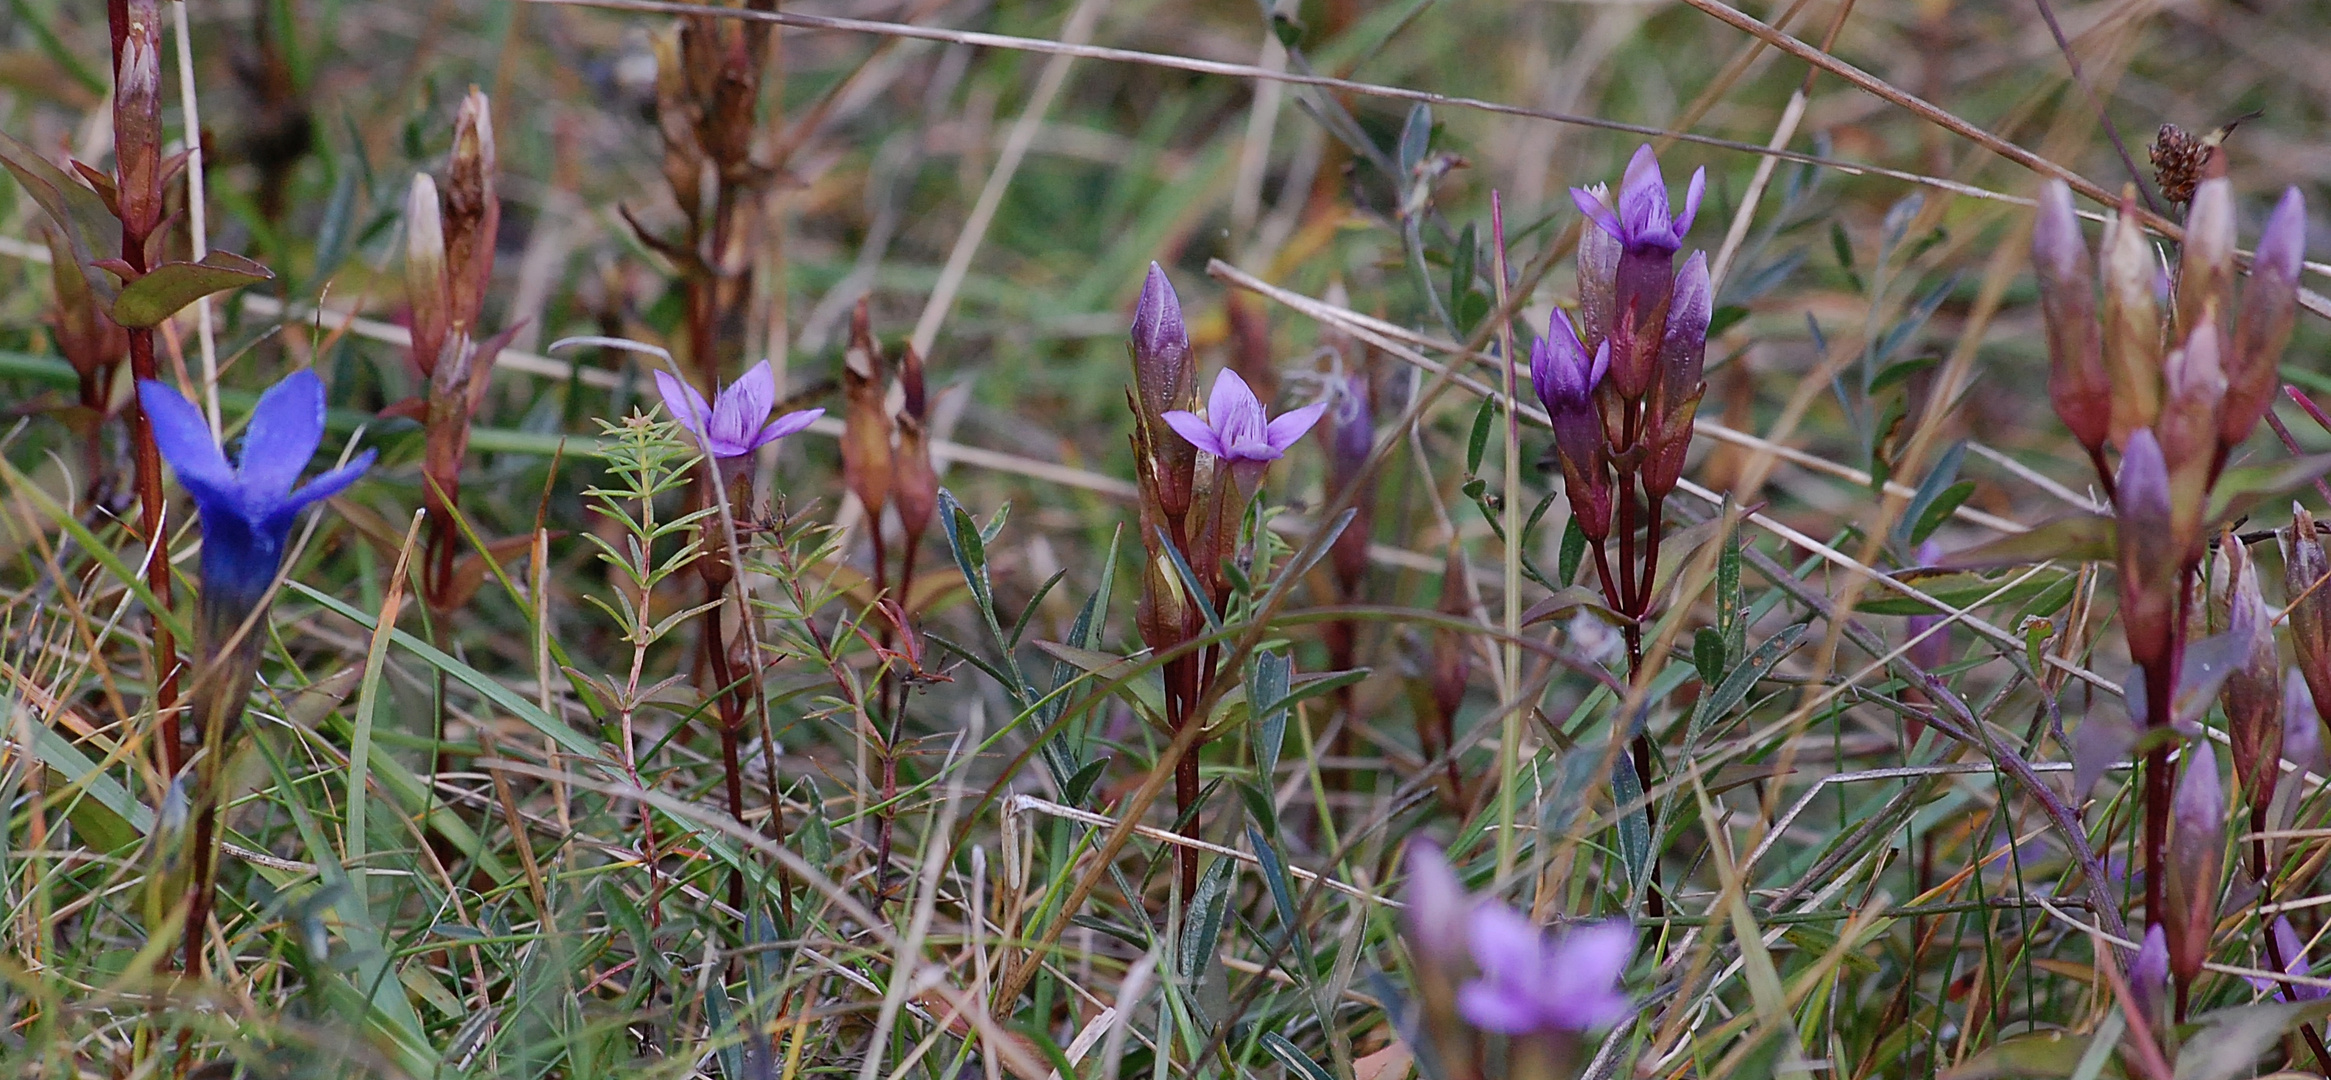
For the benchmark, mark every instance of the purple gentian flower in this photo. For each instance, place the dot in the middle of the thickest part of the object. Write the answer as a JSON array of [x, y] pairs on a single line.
[[1236, 427], [2149, 975], [1437, 907], [1533, 984], [1565, 378], [248, 508], [1560, 369], [1642, 221], [1630, 308], [732, 426], [2294, 962]]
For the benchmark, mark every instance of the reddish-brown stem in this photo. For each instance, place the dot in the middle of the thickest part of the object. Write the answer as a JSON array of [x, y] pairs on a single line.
[[148, 461], [2159, 688], [732, 725]]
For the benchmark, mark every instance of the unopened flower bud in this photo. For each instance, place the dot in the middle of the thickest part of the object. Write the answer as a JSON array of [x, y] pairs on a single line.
[[1676, 398], [2302, 725], [2253, 692], [2149, 975], [2197, 829], [425, 286], [2196, 386], [1351, 438], [473, 214], [2077, 383], [1649, 234], [916, 480], [2205, 276], [866, 427], [2150, 557], [1165, 379], [2269, 309], [2308, 595], [1598, 274], [2131, 324], [1565, 378], [137, 120], [1437, 908]]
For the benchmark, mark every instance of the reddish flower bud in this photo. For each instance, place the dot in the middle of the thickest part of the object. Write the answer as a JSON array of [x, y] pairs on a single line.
[[2197, 834], [866, 427], [2305, 567], [2131, 324], [425, 289], [473, 214], [2149, 976], [1566, 377], [916, 487], [2077, 383], [137, 120], [1351, 438], [2253, 693], [1165, 379], [2205, 275], [1598, 273], [2195, 386], [2269, 308], [2150, 557]]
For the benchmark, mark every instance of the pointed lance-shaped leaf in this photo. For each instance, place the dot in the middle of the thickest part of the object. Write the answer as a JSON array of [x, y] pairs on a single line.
[[171, 286], [79, 212]]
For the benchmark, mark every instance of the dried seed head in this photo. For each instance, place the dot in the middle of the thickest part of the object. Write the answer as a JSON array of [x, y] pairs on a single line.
[[2178, 158]]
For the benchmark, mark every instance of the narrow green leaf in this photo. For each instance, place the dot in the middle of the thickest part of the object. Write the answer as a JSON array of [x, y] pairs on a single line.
[[171, 286]]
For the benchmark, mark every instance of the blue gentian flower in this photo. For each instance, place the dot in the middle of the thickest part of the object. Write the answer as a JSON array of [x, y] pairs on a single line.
[[247, 509]]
